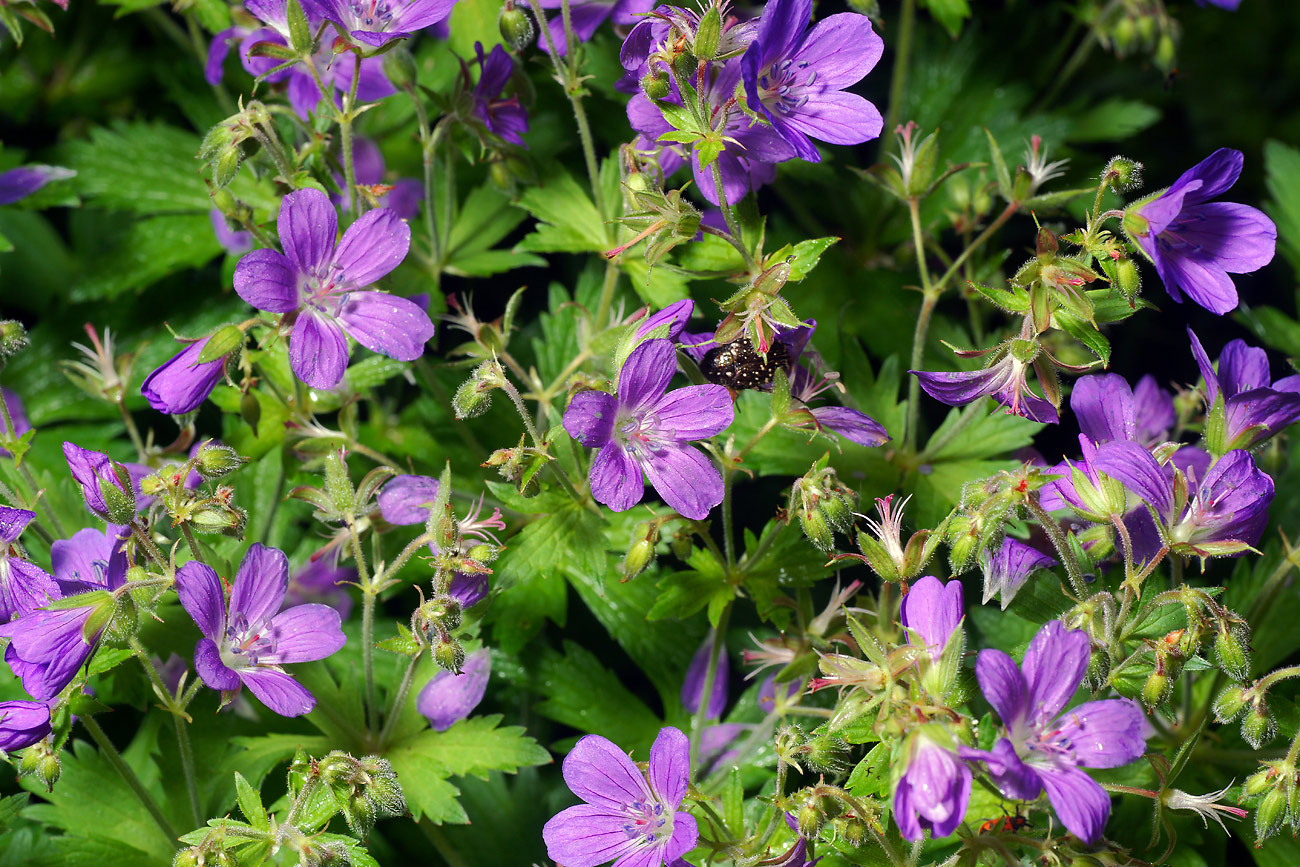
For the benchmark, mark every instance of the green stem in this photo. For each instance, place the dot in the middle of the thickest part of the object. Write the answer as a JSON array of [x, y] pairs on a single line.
[[728, 544], [1053, 531], [345, 131], [271, 143], [430, 140], [399, 698], [128, 776], [187, 765], [1007, 213], [700, 721], [902, 58], [606, 295], [150, 549], [930, 298], [192, 542], [733, 227], [131, 430], [368, 594]]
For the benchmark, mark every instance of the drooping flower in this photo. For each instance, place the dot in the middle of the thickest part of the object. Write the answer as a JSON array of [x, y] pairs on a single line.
[[673, 317], [250, 644], [449, 698], [796, 77], [934, 790], [746, 164], [236, 242], [811, 381], [1004, 380], [322, 285], [933, 610], [304, 94], [109, 488], [1196, 243], [48, 646], [321, 581], [378, 22], [1009, 567], [1255, 406], [646, 431], [693, 686], [1045, 748], [183, 382], [505, 118], [585, 17], [24, 586], [23, 723], [626, 815], [21, 182]]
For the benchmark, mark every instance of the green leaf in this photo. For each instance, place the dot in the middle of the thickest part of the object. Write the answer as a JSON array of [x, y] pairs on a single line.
[[474, 21], [582, 693], [1274, 328], [250, 802], [803, 256], [484, 219], [1086, 333], [531, 574], [949, 13], [1115, 119], [10, 807], [1282, 177], [568, 220], [145, 252], [992, 435]]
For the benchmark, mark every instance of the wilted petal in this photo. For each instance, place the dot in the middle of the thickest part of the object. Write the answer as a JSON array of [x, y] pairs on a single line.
[[1008, 568], [449, 698], [854, 426], [961, 387]]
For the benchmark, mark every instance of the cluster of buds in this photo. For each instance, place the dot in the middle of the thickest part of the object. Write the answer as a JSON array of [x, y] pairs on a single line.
[[40, 761], [883, 548], [663, 219], [1258, 726], [1276, 788], [980, 520], [474, 397], [364, 789], [758, 311], [1139, 26], [823, 804], [823, 504], [339, 501], [521, 466], [176, 491], [222, 148]]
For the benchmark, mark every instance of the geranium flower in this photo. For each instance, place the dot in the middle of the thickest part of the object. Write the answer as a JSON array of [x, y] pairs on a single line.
[[378, 22], [625, 815], [933, 791], [23, 723], [21, 182], [796, 77], [932, 610], [1195, 243], [24, 586], [1004, 380], [249, 644], [645, 431], [1009, 567], [505, 118], [1256, 407], [586, 17], [182, 383], [1045, 748], [321, 284]]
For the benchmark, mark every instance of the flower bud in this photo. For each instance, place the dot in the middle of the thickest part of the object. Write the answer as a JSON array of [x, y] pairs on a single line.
[[1230, 652], [708, 34], [1269, 814], [810, 819], [219, 518], [119, 498], [816, 528], [360, 814], [1123, 174], [1128, 280], [448, 654], [216, 460], [1229, 704], [1259, 782], [639, 556], [1157, 688], [13, 338], [41, 762], [963, 543], [1258, 726], [400, 68], [655, 85], [226, 166], [516, 27]]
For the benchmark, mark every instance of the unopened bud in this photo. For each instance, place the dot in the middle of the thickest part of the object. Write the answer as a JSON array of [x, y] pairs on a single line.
[[1270, 813], [810, 819], [655, 84], [449, 655], [516, 27], [1230, 652], [1258, 726], [639, 557], [1123, 174], [360, 814], [13, 337], [1157, 688], [216, 460], [817, 529], [219, 519], [1128, 279], [119, 495], [400, 68], [226, 166], [708, 34]]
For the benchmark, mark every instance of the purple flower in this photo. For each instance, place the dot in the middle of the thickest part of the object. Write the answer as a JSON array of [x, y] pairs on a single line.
[[107, 493], [48, 646], [218, 48], [806, 383], [250, 644], [934, 790], [17, 415], [24, 586], [645, 431], [767, 693], [796, 77], [183, 382], [585, 17], [23, 723], [505, 118], [403, 196], [1004, 380], [324, 582], [693, 687], [21, 182], [449, 698], [1044, 748], [322, 285], [748, 162], [674, 316], [408, 499], [1255, 406], [1007, 569], [1230, 5], [304, 95], [234, 242], [1195, 243], [90, 560], [1227, 511], [378, 22], [625, 816], [933, 610]]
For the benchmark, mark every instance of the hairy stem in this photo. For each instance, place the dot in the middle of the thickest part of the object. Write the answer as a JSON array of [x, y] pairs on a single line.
[[1063, 551], [700, 721], [128, 776], [902, 59]]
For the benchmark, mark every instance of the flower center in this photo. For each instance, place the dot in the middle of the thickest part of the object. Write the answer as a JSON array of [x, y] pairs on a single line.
[[326, 291], [782, 86], [371, 14], [648, 821], [244, 645], [639, 434]]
